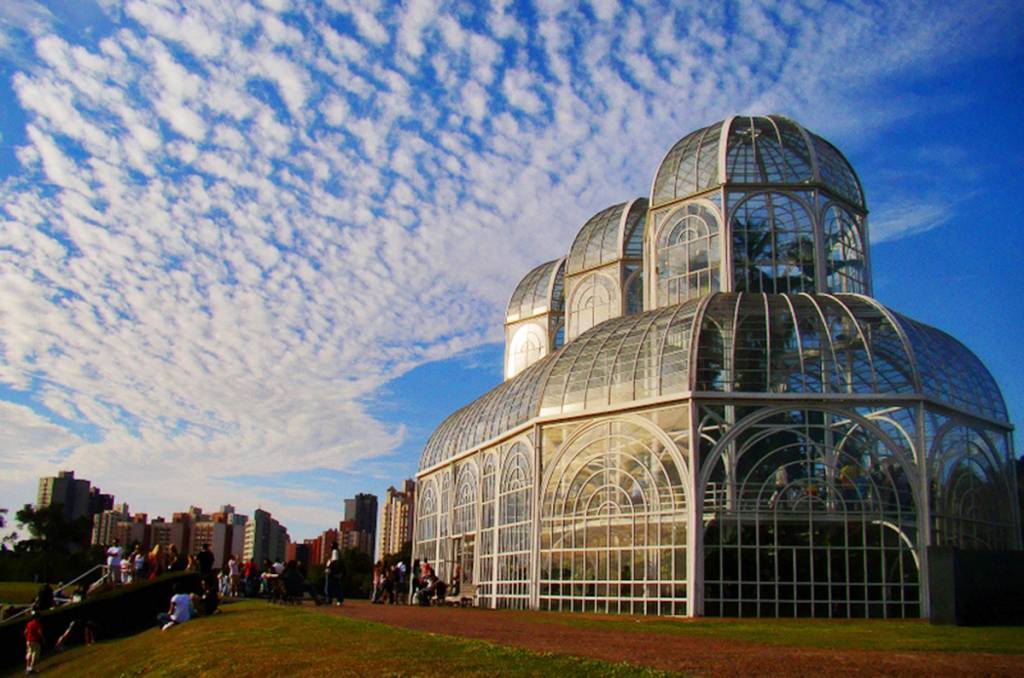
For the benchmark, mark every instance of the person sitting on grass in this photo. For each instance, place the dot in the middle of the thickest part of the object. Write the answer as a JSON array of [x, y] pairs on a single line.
[[34, 640], [180, 610]]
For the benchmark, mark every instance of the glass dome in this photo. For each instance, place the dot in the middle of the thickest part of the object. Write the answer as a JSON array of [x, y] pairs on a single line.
[[533, 295], [758, 150], [611, 234], [818, 344]]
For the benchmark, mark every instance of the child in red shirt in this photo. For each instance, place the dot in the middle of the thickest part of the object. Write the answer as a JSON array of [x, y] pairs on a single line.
[[33, 642]]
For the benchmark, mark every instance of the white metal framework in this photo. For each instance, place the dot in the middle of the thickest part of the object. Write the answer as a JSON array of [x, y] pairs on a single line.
[[765, 439]]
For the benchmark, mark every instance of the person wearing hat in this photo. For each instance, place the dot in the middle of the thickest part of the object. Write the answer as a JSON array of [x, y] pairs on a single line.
[[33, 641]]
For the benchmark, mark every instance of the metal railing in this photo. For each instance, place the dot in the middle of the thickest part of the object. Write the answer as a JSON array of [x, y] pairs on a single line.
[[102, 568]]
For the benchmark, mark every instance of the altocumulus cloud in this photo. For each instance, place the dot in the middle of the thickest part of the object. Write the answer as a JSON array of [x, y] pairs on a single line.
[[233, 222]]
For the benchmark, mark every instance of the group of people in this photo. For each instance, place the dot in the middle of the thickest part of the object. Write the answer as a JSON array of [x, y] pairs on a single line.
[[426, 585], [274, 580], [140, 565], [185, 605], [388, 582]]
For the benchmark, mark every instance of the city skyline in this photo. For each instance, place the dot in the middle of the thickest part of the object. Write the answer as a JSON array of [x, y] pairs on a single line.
[[239, 249]]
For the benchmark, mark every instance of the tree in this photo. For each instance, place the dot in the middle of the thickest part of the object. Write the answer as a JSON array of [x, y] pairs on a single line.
[[51, 531]]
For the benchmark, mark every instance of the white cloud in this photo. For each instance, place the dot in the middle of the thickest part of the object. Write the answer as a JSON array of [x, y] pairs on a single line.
[[369, 27], [219, 284], [26, 434], [900, 219]]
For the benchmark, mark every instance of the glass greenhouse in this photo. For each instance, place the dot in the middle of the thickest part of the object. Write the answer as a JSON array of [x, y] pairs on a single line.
[[705, 412]]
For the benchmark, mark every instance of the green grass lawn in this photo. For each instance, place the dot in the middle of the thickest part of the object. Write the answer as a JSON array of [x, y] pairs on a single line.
[[868, 634], [253, 638], [18, 591]]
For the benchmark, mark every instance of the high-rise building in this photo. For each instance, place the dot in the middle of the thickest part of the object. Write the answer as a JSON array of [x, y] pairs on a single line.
[[168, 534], [264, 538], [64, 489], [300, 553], [362, 511], [99, 502], [279, 541], [396, 518], [104, 524], [215, 533], [134, 531], [236, 532], [351, 537]]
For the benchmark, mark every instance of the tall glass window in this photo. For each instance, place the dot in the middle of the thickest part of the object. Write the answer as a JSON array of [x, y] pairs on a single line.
[[485, 577], [426, 524], [688, 255], [515, 505], [772, 244], [527, 347], [594, 300], [613, 526], [844, 252]]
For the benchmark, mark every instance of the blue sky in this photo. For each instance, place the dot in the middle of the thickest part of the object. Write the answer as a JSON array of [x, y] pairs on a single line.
[[253, 253]]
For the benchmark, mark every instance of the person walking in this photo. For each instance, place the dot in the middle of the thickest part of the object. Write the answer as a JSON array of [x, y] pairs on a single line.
[[34, 640], [334, 580]]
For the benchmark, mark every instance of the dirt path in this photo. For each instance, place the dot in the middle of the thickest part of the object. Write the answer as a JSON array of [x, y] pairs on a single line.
[[695, 655]]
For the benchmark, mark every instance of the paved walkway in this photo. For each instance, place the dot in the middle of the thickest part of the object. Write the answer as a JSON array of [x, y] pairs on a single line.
[[691, 654]]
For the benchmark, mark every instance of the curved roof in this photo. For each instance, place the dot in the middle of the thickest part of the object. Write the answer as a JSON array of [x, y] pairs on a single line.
[[754, 343], [608, 236], [533, 295], [758, 150]]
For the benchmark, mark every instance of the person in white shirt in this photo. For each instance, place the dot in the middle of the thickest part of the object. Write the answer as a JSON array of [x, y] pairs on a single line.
[[180, 610], [233, 573], [114, 554]]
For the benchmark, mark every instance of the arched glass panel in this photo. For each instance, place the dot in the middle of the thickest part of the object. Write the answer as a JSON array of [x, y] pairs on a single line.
[[800, 344], [488, 493], [972, 495], [635, 291], [810, 514], [836, 172], [688, 262], [526, 348], [464, 518], [426, 523], [594, 300], [515, 519], [691, 166], [532, 295], [613, 525], [597, 243], [951, 373], [773, 244], [759, 152], [845, 269], [506, 406]]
